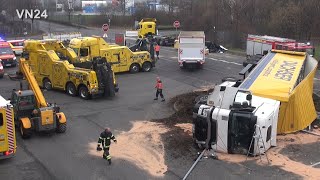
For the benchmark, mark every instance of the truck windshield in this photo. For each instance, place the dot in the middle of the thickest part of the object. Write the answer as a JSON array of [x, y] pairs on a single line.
[[26, 100], [76, 50], [6, 51]]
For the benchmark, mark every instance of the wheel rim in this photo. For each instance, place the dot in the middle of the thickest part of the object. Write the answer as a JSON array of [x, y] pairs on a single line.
[[83, 93], [135, 68], [71, 90], [147, 67]]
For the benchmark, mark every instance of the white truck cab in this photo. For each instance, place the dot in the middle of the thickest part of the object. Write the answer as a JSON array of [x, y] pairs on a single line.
[[231, 116]]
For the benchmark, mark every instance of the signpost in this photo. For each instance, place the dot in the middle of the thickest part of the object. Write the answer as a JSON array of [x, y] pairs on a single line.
[[176, 24], [105, 28]]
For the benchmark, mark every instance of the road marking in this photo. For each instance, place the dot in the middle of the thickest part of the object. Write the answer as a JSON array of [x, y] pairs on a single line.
[[316, 79], [229, 62], [174, 57]]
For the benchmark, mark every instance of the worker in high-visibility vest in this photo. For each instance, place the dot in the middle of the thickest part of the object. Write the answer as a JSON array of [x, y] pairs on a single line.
[[104, 143], [157, 49], [159, 87]]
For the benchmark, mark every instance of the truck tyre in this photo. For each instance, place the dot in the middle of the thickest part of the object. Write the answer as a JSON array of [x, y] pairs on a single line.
[[47, 84], [71, 89], [62, 127], [146, 67], [134, 68], [84, 93], [25, 133]]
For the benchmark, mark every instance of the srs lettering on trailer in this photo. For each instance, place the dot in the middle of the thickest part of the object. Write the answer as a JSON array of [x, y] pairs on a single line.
[[267, 102]]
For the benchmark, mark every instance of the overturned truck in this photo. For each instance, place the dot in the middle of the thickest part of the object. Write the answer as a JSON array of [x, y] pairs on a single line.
[[275, 98]]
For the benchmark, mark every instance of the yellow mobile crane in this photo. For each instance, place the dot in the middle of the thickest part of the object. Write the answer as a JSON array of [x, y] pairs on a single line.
[[52, 72], [31, 111]]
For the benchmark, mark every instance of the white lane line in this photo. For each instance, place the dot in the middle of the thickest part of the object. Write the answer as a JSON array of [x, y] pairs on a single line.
[[229, 62], [316, 79]]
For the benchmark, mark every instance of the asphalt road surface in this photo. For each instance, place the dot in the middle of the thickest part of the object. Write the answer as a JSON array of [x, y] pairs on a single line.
[[66, 157]]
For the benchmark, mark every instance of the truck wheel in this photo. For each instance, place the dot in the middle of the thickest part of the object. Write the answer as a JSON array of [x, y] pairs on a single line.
[[134, 68], [47, 84], [84, 93], [146, 67], [71, 89], [25, 133], [62, 127]]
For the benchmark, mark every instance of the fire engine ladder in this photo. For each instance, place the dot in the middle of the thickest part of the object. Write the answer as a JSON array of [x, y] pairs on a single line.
[[257, 137]]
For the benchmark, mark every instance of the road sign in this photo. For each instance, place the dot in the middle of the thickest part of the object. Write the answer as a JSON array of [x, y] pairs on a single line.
[[176, 24], [105, 27]]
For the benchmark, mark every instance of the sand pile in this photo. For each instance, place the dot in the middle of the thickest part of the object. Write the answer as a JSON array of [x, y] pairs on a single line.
[[142, 146], [282, 160]]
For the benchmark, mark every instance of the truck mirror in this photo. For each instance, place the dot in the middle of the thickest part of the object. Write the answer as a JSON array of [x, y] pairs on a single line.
[[249, 97]]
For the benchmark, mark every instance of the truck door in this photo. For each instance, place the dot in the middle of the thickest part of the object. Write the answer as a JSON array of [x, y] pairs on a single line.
[[43, 65], [57, 73], [124, 64], [240, 131], [115, 59]]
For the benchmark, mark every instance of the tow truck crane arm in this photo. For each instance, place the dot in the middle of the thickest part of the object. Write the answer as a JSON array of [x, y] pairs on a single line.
[[25, 68]]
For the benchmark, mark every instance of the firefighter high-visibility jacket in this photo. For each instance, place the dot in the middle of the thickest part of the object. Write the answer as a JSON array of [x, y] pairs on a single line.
[[159, 85], [105, 139]]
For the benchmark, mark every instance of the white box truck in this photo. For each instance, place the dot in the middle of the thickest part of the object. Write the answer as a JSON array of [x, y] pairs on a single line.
[[191, 51]]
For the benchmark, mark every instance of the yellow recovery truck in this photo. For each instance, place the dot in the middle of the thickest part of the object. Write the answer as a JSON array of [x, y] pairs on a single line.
[[31, 111], [7, 132], [51, 72], [121, 58], [147, 27]]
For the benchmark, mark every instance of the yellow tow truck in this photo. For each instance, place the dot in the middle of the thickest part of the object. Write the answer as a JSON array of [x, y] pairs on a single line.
[[121, 58], [7, 131], [31, 111], [51, 72]]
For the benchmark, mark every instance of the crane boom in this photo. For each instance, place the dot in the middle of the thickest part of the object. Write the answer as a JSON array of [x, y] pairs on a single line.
[[25, 68]]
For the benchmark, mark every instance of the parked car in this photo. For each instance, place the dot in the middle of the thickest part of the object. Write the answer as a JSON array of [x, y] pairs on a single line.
[[165, 40], [7, 57], [214, 48]]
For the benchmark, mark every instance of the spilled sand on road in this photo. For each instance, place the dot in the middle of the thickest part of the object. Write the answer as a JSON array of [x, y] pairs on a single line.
[[142, 146], [283, 161]]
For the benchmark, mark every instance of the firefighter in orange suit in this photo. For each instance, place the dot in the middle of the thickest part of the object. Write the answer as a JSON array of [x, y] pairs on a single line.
[[159, 87], [157, 49]]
